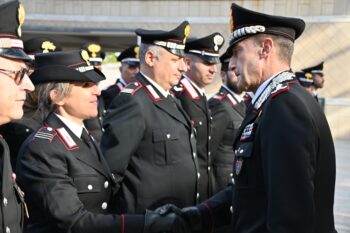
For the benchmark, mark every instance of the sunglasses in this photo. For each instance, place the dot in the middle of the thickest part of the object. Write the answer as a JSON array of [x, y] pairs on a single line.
[[18, 75]]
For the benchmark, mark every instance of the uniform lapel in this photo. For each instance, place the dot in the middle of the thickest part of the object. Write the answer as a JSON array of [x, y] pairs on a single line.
[[82, 152], [250, 116], [166, 104]]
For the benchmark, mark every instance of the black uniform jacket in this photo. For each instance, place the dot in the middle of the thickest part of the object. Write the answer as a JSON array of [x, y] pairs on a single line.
[[12, 204], [196, 106], [150, 147], [227, 113], [284, 168], [16, 132], [111, 92], [68, 187]]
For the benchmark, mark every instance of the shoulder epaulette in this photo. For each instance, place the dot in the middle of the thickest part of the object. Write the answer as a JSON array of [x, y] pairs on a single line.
[[131, 88], [219, 96], [67, 140], [47, 133], [189, 88], [281, 87], [154, 95]]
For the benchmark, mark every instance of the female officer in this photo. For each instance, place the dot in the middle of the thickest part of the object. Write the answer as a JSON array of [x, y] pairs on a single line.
[[67, 182]]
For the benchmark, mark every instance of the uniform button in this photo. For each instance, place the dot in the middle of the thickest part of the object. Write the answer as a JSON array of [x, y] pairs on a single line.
[[231, 174], [104, 110], [5, 201], [90, 187], [209, 138], [100, 118], [209, 153], [236, 151], [194, 154], [211, 118], [197, 195], [198, 175], [200, 123], [104, 205], [27, 130], [209, 168], [136, 84], [192, 135], [49, 128], [103, 129], [168, 136], [106, 184], [113, 176], [231, 209], [241, 151], [8, 230], [233, 180]]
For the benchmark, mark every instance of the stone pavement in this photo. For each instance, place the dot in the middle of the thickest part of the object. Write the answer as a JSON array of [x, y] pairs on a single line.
[[342, 189]]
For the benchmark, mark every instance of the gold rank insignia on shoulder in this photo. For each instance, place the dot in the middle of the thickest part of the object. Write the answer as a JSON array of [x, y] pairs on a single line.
[[186, 33], [94, 49], [137, 51], [21, 16], [48, 46], [85, 55]]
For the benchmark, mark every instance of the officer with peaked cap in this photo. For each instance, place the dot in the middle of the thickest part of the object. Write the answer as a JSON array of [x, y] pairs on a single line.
[[67, 182], [17, 131], [202, 57], [130, 66], [284, 167], [14, 84], [317, 76], [149, 140], [227, 110]]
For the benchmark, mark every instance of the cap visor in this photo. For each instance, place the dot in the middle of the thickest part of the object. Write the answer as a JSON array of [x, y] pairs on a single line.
[[14, 53]]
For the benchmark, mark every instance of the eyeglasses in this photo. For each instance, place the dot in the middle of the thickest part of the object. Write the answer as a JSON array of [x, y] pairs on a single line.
[[19, 74]]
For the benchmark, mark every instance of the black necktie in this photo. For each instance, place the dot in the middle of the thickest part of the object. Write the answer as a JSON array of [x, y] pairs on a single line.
[[86, 138]]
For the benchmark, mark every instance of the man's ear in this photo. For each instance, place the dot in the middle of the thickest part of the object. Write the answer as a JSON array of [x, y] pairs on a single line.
[[266, 47], [150, 58]]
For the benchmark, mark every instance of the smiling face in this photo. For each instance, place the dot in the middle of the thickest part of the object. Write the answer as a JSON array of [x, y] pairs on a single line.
[[81, 102], [12, 95], [200, 71]]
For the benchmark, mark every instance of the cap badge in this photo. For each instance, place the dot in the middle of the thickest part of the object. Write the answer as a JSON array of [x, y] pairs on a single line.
[[186, 32], [218, 41], [93, 49], [137, 51], [21, 15], [308, 75], [48, 46], [84, 54]]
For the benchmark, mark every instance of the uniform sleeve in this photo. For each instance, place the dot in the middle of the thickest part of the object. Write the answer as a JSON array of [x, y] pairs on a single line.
[[42, 174], [219, 123], [124, 126], [288, 138]]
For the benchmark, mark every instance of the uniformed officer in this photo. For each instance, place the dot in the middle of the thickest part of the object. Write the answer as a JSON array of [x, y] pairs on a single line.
[[130, 66], [14, 84], [284, 168], [17, 131], [316, 73], [149, 140], [202, 57], [227, 110], [67, 182], [95, 125]]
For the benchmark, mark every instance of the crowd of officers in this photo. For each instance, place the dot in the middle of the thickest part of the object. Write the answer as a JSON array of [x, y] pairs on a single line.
[[151, 153]]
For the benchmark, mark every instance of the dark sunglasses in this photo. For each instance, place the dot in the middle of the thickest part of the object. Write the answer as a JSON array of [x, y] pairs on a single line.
[[19, 74]]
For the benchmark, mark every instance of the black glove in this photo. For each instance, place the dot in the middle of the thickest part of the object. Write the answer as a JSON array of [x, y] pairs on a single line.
[[191, 215], [167, 223]]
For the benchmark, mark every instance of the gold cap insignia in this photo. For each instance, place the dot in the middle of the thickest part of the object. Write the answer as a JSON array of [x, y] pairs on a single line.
[[85, 55], [48, 46], [94, 49], [21, 15], [308, 75], [186, 32], [137, 51]]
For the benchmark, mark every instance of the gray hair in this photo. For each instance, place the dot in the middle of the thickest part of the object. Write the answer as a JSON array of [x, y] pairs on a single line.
[[149, 47], [285, 46], [42, 91]]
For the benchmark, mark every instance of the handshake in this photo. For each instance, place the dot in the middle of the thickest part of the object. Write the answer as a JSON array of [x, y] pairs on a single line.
[[171, 219]]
